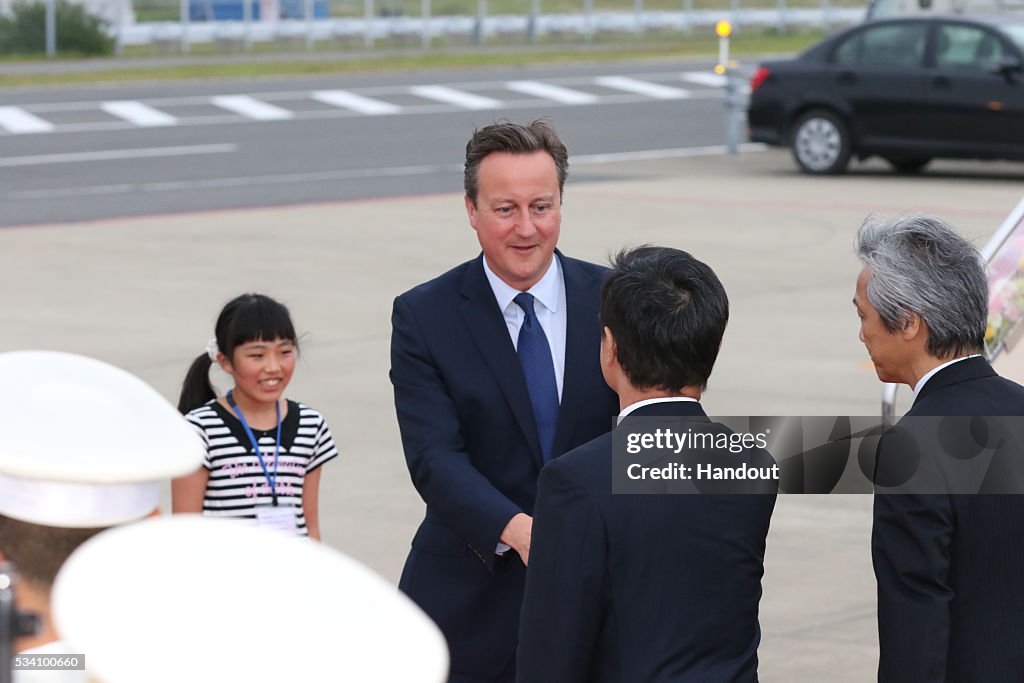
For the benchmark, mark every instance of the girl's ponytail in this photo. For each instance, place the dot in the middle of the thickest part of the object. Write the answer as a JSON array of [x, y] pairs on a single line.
[[196, 389]]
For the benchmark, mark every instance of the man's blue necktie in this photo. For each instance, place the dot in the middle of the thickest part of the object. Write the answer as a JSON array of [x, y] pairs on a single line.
[[539, 369]]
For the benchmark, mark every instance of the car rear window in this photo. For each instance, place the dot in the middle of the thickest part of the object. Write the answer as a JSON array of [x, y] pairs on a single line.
[[967, 47]]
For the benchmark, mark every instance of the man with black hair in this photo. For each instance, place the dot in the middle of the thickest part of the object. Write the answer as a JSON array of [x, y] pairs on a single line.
[[644, 588]]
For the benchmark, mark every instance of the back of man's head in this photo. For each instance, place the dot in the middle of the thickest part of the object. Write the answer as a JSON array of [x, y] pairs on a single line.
[[38, 551], [918, 264], [667, 312]]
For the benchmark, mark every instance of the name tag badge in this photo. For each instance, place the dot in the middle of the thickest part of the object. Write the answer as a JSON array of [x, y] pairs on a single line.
[[280, 517]]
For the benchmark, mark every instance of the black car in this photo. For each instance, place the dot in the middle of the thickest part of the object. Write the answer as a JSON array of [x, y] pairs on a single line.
[[908, 90]]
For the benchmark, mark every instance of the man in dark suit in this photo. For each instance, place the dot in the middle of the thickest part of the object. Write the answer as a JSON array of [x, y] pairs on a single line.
[[644, 588], [495, 369], [949, 571]]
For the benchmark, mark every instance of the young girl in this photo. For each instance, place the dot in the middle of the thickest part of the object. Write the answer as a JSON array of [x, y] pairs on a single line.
[[263, 453]]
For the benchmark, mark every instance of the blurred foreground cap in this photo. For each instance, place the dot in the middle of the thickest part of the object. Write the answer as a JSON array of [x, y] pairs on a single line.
[[85, 444], [187, 598]]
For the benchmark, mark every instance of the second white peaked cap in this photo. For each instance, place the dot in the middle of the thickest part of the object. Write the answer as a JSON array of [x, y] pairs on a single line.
[[187, 598], [85, 444]]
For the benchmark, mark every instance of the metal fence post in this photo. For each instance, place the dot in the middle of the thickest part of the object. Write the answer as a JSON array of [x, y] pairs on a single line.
[[310, 40], [782, 25], [479, 34], [826, 14], [734, 13], [532, 28], [119, 30], [638, 11], [246, 25], [368, 23], [426, 23], [51, 28], [184, 9], [734, 107], [688, 17]]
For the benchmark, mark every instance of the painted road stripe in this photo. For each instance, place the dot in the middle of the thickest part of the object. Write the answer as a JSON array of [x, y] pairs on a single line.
[[655, 90], [703, 78], [656, 154], [252, 108], [357, 103], [138, 113], [556, 93], [459, 98], [17, 120], [279, 180], [116, 154]]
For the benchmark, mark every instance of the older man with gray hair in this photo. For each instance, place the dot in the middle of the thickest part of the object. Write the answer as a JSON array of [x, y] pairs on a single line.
[[950, 575]]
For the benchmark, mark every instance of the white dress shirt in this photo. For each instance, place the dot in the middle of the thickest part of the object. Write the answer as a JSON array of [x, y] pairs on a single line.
[[921, 382], [549, 306], [664, 399]]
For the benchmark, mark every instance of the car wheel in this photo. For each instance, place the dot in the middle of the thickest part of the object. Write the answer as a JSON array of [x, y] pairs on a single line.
[[908, 164], [820, 143]]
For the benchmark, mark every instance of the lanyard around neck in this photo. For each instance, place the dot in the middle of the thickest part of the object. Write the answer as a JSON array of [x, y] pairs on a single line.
[[271, 480]]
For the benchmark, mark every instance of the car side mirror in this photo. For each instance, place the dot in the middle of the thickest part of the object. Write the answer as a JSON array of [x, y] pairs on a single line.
[[1008, 67]]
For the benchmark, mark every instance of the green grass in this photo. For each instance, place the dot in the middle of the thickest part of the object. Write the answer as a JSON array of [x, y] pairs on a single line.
[[445, 56]]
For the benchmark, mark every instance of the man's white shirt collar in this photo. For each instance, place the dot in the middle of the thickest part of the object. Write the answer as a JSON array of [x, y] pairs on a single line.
[[921, 382], [545, 291], [665, 399]]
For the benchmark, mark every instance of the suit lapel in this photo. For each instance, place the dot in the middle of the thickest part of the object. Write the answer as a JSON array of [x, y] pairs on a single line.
[[582, 348], [486, 324]]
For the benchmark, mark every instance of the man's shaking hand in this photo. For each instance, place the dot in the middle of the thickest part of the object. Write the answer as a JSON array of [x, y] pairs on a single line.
[[517, 535]]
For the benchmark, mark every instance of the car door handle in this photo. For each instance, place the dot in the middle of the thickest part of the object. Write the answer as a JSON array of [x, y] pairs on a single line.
[[942, 82], [846, 78]]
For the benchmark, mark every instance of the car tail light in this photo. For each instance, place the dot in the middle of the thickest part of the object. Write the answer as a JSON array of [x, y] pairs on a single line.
[[759, 78]]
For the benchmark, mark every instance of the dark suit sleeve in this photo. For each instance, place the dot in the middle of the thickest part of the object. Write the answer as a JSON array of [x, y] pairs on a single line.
[[563, 606], [910, 545], [434, 451]]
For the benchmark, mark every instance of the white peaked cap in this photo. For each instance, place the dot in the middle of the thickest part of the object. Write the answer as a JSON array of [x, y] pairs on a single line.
[[85, 444], [187, 598]]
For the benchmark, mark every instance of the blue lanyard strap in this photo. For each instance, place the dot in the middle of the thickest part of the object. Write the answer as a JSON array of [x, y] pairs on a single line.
[[272, 480]]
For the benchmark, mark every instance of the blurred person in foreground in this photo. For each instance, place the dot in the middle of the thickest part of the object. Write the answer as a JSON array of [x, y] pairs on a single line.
[[661, 587], [949, 573], [86, 447], [185, 598]]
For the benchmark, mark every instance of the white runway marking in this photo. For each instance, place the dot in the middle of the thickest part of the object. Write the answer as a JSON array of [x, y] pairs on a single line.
[[138, 113], [702, 78], [443, 93], [17, 120], [369, 101], [252, 108], [672, 153], [357, 103], [116, 154], [354, 174], [633, 85], [555, 93]]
